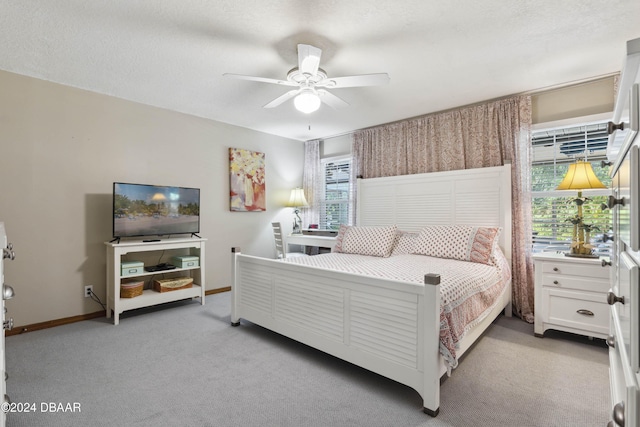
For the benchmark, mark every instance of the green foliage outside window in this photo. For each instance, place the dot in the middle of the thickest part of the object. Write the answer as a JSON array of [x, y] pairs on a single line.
[[550, 214], [553, 150]]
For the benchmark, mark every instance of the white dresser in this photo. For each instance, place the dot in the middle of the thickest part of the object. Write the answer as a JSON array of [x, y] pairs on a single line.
[[7, 293], [571, 295], [624, 298]]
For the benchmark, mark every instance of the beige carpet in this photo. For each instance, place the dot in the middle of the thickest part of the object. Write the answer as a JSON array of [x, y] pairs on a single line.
[[183, 365]]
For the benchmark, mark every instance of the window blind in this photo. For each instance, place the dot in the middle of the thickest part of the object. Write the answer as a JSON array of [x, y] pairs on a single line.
[[334, 208], [552, 152]]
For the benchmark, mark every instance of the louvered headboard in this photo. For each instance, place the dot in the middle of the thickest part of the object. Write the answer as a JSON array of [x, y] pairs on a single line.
[[477, 197]]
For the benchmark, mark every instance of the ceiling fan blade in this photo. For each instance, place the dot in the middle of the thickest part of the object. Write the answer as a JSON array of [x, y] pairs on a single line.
[[308, 59], [282, 98], [331, 100], [260, 79], [355, 81]]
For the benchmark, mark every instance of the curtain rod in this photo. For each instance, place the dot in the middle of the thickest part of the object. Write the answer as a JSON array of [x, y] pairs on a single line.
[[547, 89]]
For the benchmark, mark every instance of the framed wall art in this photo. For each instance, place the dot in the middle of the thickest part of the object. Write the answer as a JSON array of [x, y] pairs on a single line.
[[247, 187]]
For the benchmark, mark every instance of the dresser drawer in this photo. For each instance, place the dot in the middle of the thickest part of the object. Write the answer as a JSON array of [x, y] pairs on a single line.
[[628, 174], [624, 389], [577, 283], [623, 379], [572, 269], [627, 315], [582, 311]]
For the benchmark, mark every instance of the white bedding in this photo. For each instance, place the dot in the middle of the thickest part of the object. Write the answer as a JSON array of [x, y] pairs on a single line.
[[468, 290]]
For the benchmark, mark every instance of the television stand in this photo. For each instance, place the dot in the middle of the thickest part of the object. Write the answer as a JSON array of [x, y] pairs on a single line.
[[117, 250]]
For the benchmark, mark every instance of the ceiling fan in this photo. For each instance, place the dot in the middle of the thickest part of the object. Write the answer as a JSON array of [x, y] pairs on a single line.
[[312, 82]]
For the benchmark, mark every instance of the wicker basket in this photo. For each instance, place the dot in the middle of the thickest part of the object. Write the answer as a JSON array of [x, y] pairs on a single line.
[[131, 288], [174, 284]]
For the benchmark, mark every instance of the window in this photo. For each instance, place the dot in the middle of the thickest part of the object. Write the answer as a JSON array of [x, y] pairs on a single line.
[[336, 204], [553, 150]]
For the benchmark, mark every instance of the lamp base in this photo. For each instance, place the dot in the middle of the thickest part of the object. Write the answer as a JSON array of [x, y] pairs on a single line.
[[569, 254], [297, 222]]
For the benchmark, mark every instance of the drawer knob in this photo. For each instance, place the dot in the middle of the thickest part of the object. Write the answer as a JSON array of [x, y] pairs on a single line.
[[555, 268], [618, 414], [606, 263], [612, 127], [555, 282], [613, 298], [585, 312], [612, 201], [611, 341], [7, 292]]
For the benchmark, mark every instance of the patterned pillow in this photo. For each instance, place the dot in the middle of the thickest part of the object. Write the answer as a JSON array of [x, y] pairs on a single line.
[[404, 243], [373, 241], [461, 242]]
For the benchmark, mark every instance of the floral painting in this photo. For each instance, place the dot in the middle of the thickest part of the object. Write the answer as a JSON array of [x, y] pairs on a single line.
[[246, 181]]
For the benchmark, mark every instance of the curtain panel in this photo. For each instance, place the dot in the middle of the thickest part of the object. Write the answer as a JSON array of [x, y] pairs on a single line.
[[484, 135], [312, 182]]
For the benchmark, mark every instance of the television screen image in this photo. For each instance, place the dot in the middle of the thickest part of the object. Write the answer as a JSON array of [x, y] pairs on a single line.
[[154, 210]]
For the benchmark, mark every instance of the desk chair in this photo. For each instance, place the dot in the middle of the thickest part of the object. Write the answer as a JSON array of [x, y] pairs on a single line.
[[281, 246]]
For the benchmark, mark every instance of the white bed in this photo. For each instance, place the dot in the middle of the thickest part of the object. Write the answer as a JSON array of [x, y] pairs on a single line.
[[333, 310]]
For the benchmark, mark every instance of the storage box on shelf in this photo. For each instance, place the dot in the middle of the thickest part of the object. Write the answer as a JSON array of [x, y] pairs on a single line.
[[131, 268], [174, 284], [116, 256], [131, 288], [185, 261], [571, 295]]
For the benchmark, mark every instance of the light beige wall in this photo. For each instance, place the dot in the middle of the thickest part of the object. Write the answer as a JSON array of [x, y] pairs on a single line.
[[62, 148]]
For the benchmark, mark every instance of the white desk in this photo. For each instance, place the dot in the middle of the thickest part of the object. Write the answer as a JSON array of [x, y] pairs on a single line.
[[309, 240]]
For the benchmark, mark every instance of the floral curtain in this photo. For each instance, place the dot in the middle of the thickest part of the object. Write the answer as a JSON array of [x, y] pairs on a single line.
[[484, 135]]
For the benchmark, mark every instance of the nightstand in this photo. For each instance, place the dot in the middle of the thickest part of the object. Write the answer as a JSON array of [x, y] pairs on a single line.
[[571, 295]]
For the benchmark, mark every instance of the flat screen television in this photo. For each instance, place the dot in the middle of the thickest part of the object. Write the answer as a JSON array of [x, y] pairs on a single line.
[[154, 210]]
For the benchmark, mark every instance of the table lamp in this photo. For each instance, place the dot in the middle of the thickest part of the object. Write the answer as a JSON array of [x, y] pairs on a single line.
[[297, 201], [580, 176]]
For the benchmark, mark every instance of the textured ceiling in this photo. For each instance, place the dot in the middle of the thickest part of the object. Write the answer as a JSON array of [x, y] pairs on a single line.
[[439, 54]]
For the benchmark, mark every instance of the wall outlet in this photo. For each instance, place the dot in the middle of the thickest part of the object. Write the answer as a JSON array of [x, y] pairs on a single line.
[[88, 290]]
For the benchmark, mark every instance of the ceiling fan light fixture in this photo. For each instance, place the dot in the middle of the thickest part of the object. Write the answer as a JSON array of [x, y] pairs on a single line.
[[307, 102], [312, 84]]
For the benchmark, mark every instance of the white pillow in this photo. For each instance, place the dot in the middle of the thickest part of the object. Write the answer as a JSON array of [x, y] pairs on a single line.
[[373, 241], [461, 242]]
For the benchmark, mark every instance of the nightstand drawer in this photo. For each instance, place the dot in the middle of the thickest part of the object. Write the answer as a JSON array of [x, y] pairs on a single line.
[[576, 282], [577, 310], [563, 268], [571, 295]]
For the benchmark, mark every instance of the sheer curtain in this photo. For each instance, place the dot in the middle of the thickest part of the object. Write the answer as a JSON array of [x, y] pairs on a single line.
[[312, 180], [484, 135]]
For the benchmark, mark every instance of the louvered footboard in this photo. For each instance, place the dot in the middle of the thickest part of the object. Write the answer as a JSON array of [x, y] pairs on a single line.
[[391, 328]]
